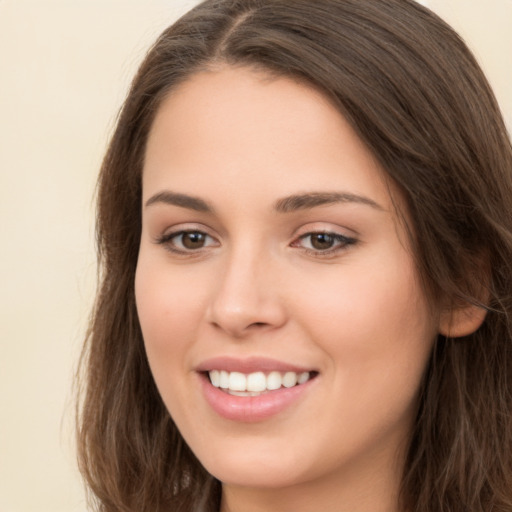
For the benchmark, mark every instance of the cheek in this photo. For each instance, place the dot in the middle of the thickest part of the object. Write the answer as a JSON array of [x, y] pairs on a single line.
[[169, 307], [374, 301], [375, 326]]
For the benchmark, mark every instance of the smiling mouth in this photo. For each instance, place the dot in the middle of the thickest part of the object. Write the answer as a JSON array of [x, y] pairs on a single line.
[[256, 383]]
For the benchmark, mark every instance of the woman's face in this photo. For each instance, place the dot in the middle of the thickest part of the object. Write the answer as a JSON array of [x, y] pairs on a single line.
[[272, 263]]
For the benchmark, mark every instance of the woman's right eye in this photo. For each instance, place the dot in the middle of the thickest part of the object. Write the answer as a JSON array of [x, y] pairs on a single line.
[[186, 241]]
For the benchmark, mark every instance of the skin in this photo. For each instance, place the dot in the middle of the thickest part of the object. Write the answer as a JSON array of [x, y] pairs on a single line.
[[241, 141]]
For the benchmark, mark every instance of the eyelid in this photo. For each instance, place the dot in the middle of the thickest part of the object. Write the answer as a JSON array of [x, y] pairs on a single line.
[[342, 241], [336, 236], [189, 227], [326, 227]]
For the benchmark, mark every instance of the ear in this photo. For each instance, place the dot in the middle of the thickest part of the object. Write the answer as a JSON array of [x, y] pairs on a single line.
[[460, 321], [463, 316]]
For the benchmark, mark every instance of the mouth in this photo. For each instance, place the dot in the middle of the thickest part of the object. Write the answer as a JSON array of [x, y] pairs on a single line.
[[256, 383], [254, 389]]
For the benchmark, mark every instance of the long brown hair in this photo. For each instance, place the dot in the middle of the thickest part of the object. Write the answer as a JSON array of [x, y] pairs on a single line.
[[415, 95]]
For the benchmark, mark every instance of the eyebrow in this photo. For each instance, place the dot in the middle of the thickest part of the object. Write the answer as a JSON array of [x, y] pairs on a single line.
[[314, 199], [183, 200], [284, 205]]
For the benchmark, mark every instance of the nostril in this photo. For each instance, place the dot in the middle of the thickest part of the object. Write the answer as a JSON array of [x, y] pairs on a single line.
[[258, 324]]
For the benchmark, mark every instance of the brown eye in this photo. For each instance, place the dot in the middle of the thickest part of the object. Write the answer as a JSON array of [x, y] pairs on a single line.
[[187, 242], [322, 241], [193, 240]]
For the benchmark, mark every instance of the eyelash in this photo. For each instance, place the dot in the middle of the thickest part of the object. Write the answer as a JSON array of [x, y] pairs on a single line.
[[167, 241], [341, 242]]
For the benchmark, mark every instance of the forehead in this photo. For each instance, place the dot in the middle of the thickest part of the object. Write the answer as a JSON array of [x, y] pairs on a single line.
[[252, 131], [247, 99]]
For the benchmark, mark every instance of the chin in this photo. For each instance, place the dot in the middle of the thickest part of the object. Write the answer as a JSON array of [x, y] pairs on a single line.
[[263, 477], [255, 468]]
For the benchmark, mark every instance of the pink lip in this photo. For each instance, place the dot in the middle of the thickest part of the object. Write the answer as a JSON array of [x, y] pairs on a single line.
[[249, 365], [250, 408]]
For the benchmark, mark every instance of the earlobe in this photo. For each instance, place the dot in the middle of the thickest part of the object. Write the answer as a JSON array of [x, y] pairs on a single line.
[[462, 316], [461, 321]]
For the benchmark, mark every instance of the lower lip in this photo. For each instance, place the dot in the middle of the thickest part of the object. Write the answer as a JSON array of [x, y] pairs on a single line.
[[250, 409]]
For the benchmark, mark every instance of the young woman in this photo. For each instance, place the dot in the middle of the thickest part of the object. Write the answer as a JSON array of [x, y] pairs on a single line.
[[305, 236]]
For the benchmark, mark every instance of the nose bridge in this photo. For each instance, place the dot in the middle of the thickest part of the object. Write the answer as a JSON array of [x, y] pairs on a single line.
[[246, 297]]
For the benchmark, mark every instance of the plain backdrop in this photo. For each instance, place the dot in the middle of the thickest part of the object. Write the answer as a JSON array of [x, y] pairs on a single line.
[[65, 66]]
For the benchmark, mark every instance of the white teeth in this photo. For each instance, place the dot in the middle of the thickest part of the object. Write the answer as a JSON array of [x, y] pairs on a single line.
[[256, 382], [253, 384], [237, 381], [274, 381], [223, 380], [303, 377], [215, 378], [289, 379]]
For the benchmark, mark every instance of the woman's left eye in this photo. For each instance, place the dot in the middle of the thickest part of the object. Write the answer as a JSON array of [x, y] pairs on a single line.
[[323, 243]]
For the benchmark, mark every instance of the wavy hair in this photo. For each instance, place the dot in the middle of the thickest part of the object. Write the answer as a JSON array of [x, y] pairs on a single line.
[[416, 96]]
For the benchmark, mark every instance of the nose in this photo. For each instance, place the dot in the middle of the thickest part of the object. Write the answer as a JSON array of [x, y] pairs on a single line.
[[248, 295]]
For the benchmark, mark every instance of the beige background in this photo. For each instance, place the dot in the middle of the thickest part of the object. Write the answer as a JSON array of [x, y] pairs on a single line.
[[64, 69]]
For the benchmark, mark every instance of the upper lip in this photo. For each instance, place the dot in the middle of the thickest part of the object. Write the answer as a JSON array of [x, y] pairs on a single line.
[[249, 365]]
